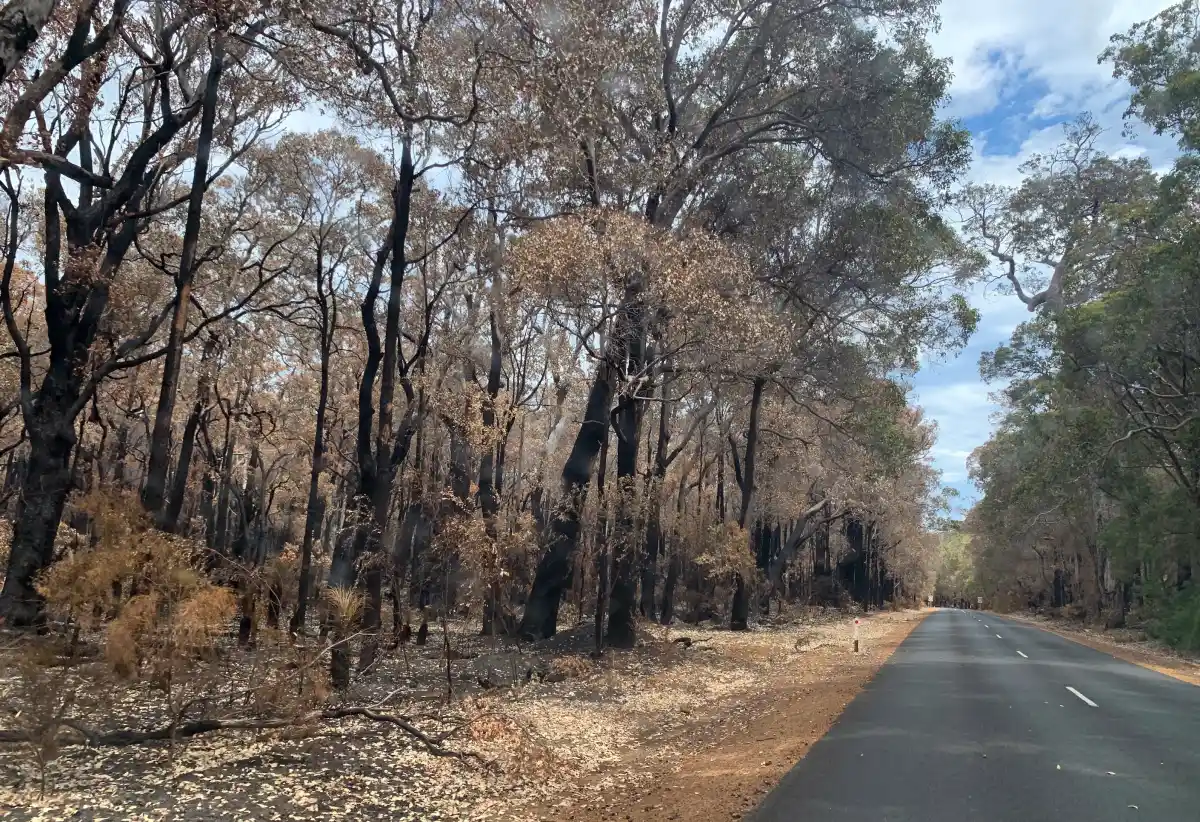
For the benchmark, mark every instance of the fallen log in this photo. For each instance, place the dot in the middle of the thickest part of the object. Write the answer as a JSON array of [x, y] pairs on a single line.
[[77, 734]]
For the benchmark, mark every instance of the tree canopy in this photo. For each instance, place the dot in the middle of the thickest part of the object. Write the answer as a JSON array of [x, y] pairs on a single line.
[[1092, 481]]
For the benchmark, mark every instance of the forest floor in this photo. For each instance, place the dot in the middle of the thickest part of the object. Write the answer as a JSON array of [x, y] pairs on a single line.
[[672, 730], [1129, 644]]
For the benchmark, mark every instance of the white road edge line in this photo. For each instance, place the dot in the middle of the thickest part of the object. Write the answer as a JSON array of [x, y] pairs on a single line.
[[1081, 696], [1022, 655], [999, 637]]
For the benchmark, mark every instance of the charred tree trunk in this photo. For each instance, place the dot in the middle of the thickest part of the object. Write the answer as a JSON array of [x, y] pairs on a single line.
[[169, 521], [373, 454], [654, 535], [75, 305], [554, 568], [675, 558], [603, 561], [326, 307], [315, 509], [740, 608], [154, 491], [495, 618], [44, 489], [627, 423]]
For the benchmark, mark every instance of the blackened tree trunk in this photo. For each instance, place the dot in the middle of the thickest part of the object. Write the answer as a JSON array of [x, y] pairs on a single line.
[[627, 423], [154, 491], [554, 568], [44, 489], [99, 231], [169, 520], [540, 619], [802, 531], [75, 304], [654, 535], [495, 618], [374, 451], [326, 316], [740, 609], [316, 505], [603, 560]]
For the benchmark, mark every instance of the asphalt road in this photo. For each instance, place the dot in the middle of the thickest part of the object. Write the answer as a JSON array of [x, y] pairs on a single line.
[[975, 717]]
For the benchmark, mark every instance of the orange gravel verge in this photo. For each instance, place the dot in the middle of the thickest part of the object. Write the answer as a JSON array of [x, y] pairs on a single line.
[[740, 761]]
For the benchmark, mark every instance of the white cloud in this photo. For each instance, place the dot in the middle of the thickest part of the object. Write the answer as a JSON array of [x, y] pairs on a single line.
[[1022, 67], [962, 411], [1054, 43]]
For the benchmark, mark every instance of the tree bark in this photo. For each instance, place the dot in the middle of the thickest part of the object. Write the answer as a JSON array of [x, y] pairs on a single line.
[[627, 422], [495, 618], [654, 535], [315, 508], [374, 457], [99, 232], [21, 23], [540, 619], [740, 609], [169, 521], [74, 307], [44, 488], [154, 491], [326, 305], [603, 560]]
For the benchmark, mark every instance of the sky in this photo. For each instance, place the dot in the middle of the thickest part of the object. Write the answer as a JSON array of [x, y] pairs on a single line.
[[1022, 68]]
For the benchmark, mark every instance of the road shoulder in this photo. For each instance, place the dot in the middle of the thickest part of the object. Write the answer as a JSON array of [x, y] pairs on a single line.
[[1138, 652], [760, 737]]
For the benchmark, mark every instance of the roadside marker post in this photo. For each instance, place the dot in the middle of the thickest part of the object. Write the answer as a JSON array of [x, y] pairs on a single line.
[[856, 635]]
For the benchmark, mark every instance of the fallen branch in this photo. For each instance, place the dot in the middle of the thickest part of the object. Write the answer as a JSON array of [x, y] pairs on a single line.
[[83, 735]]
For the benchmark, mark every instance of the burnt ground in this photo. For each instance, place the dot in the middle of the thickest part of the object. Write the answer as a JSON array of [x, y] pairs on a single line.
[[669, 730]]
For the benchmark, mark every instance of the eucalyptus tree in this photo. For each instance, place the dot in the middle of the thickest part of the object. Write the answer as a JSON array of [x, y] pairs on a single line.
[[1054, 236], [684, 106], [410, 74], [1093, 473], [330, 183], [105, 178], [235, 112]]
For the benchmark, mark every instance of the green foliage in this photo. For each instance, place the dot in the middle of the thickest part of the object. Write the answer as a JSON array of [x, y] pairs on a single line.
[[1159, 59], [956, 573], [1175, 619], [1092, 480]]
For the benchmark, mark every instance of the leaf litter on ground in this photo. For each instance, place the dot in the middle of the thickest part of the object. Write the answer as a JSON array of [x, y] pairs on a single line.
[[604, 724]]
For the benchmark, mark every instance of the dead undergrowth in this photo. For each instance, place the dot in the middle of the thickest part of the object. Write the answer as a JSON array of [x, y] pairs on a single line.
[[547, 729]]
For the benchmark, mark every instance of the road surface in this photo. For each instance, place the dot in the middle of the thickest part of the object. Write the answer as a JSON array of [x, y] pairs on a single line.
[[975, 717]]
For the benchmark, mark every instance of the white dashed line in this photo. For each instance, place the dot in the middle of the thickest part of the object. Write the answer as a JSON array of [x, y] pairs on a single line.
[[999, 637], [1023, 655], [1081, 696], [985, 625]]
